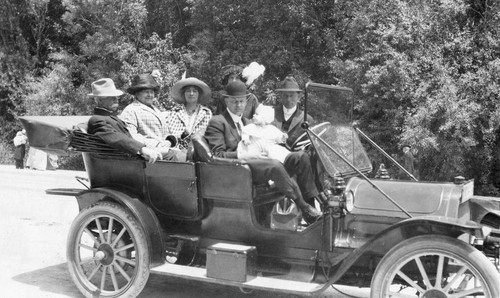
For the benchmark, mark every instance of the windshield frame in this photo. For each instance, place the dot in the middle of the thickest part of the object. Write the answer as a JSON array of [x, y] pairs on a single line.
[[345, 164]]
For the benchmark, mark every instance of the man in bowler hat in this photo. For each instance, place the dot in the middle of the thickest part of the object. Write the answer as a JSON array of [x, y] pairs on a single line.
[[223, 135], [109, 128]]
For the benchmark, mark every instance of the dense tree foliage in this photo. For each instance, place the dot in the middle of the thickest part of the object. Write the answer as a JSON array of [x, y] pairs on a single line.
[[423, 73]]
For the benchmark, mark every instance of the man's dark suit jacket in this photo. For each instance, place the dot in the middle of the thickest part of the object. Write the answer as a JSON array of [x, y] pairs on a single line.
[[222, 137], [223, 125], [295, 130], [113, 131]]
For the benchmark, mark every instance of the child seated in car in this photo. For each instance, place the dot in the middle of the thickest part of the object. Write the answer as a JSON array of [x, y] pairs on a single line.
[[261, 139]]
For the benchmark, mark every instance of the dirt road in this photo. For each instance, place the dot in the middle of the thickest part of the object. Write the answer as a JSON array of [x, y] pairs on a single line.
[[33, 243]]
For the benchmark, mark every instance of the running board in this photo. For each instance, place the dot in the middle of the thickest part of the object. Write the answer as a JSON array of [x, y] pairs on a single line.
[[253, 282]]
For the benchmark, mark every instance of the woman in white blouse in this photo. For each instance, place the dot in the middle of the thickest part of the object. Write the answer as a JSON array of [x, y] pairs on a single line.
[[192, 117]]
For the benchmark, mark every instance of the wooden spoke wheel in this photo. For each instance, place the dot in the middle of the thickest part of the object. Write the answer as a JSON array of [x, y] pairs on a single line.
[[107, 252], [435, 267]]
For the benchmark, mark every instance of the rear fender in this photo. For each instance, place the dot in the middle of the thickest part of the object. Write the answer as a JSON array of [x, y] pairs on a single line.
[[370, 254], [143, 213]]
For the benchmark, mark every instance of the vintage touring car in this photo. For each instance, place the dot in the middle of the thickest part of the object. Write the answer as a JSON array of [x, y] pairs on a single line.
[[204, 219]]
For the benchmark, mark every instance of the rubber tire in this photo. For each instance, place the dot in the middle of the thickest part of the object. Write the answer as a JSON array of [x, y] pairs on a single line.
[[119, 213], [429, 244]]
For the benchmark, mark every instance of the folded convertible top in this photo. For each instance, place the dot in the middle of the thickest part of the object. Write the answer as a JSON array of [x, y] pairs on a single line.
[[52, 134]]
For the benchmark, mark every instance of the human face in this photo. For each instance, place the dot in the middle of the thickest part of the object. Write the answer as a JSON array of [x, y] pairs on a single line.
[[146, 96], [191, 95], [109, 103], [233, 77], [236, 104], [289, 99]]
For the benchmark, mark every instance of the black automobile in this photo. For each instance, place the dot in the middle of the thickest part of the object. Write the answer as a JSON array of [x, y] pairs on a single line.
[[205, 220]]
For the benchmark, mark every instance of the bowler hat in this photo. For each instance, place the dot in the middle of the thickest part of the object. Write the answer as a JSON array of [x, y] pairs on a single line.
[[176, 91], [236, 89], [141, 82], [105, 87], [289, 84]]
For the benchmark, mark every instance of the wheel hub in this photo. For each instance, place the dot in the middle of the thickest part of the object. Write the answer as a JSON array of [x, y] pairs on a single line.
[[434, 294], [109, 255]]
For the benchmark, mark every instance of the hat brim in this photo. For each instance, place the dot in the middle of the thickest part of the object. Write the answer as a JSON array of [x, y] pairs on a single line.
[[134, 89], [176, 91], [107, 94], [235, 96], [289, 90]]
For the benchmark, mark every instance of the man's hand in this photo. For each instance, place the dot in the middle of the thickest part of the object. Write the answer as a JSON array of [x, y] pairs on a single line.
[[150, 155]]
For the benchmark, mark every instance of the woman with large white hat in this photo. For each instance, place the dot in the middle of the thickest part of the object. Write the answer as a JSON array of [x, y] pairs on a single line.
[[192, 116]]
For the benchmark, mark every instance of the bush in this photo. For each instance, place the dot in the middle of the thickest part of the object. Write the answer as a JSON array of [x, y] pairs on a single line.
[[73, 162], [6, 153]]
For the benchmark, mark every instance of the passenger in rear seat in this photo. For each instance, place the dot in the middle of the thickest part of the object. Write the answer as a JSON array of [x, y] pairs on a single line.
[[223, 135], [109, 128], [145, 122], [190, 117]]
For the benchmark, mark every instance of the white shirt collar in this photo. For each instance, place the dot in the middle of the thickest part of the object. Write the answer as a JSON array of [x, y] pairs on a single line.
[[236, 118], [288, 112]]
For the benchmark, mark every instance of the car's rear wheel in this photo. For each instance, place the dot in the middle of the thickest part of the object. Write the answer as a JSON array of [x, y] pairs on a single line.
[[435, 266], [107, 252]]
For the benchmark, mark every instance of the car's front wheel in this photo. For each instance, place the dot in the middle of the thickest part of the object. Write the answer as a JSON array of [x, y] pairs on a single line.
[[435, 266], [107, 252]]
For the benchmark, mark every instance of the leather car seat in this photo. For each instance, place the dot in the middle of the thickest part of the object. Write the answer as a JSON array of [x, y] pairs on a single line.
[[202, 151]]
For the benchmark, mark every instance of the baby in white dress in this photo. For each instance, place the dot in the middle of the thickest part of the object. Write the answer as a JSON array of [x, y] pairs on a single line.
[[261, 139]]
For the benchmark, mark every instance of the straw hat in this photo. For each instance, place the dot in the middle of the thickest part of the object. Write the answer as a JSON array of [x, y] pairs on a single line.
[[178, 96], [104, 88]]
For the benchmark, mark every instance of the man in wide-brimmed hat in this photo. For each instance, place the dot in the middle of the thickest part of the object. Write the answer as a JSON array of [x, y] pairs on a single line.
[[109, 128], [191, 116], [287, 115], [223, 135], [144, 121]]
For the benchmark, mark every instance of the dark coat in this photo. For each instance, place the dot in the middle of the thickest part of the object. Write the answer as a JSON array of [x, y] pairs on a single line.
[[222, 135], [409, 162], [295, 129], [113, 131], [20, 151], [223, 138]]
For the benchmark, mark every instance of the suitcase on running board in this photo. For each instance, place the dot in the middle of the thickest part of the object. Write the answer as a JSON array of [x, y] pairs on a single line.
[[231, 261]]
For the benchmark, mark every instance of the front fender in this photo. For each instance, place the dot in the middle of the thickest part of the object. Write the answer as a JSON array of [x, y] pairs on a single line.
[[373, 251], [485, 210], [143, 213]]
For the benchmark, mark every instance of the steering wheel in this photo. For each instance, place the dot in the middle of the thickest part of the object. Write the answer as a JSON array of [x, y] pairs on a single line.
[[303, 141]]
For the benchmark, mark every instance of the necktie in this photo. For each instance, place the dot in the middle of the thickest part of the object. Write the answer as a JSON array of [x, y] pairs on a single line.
[[238, 127]]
